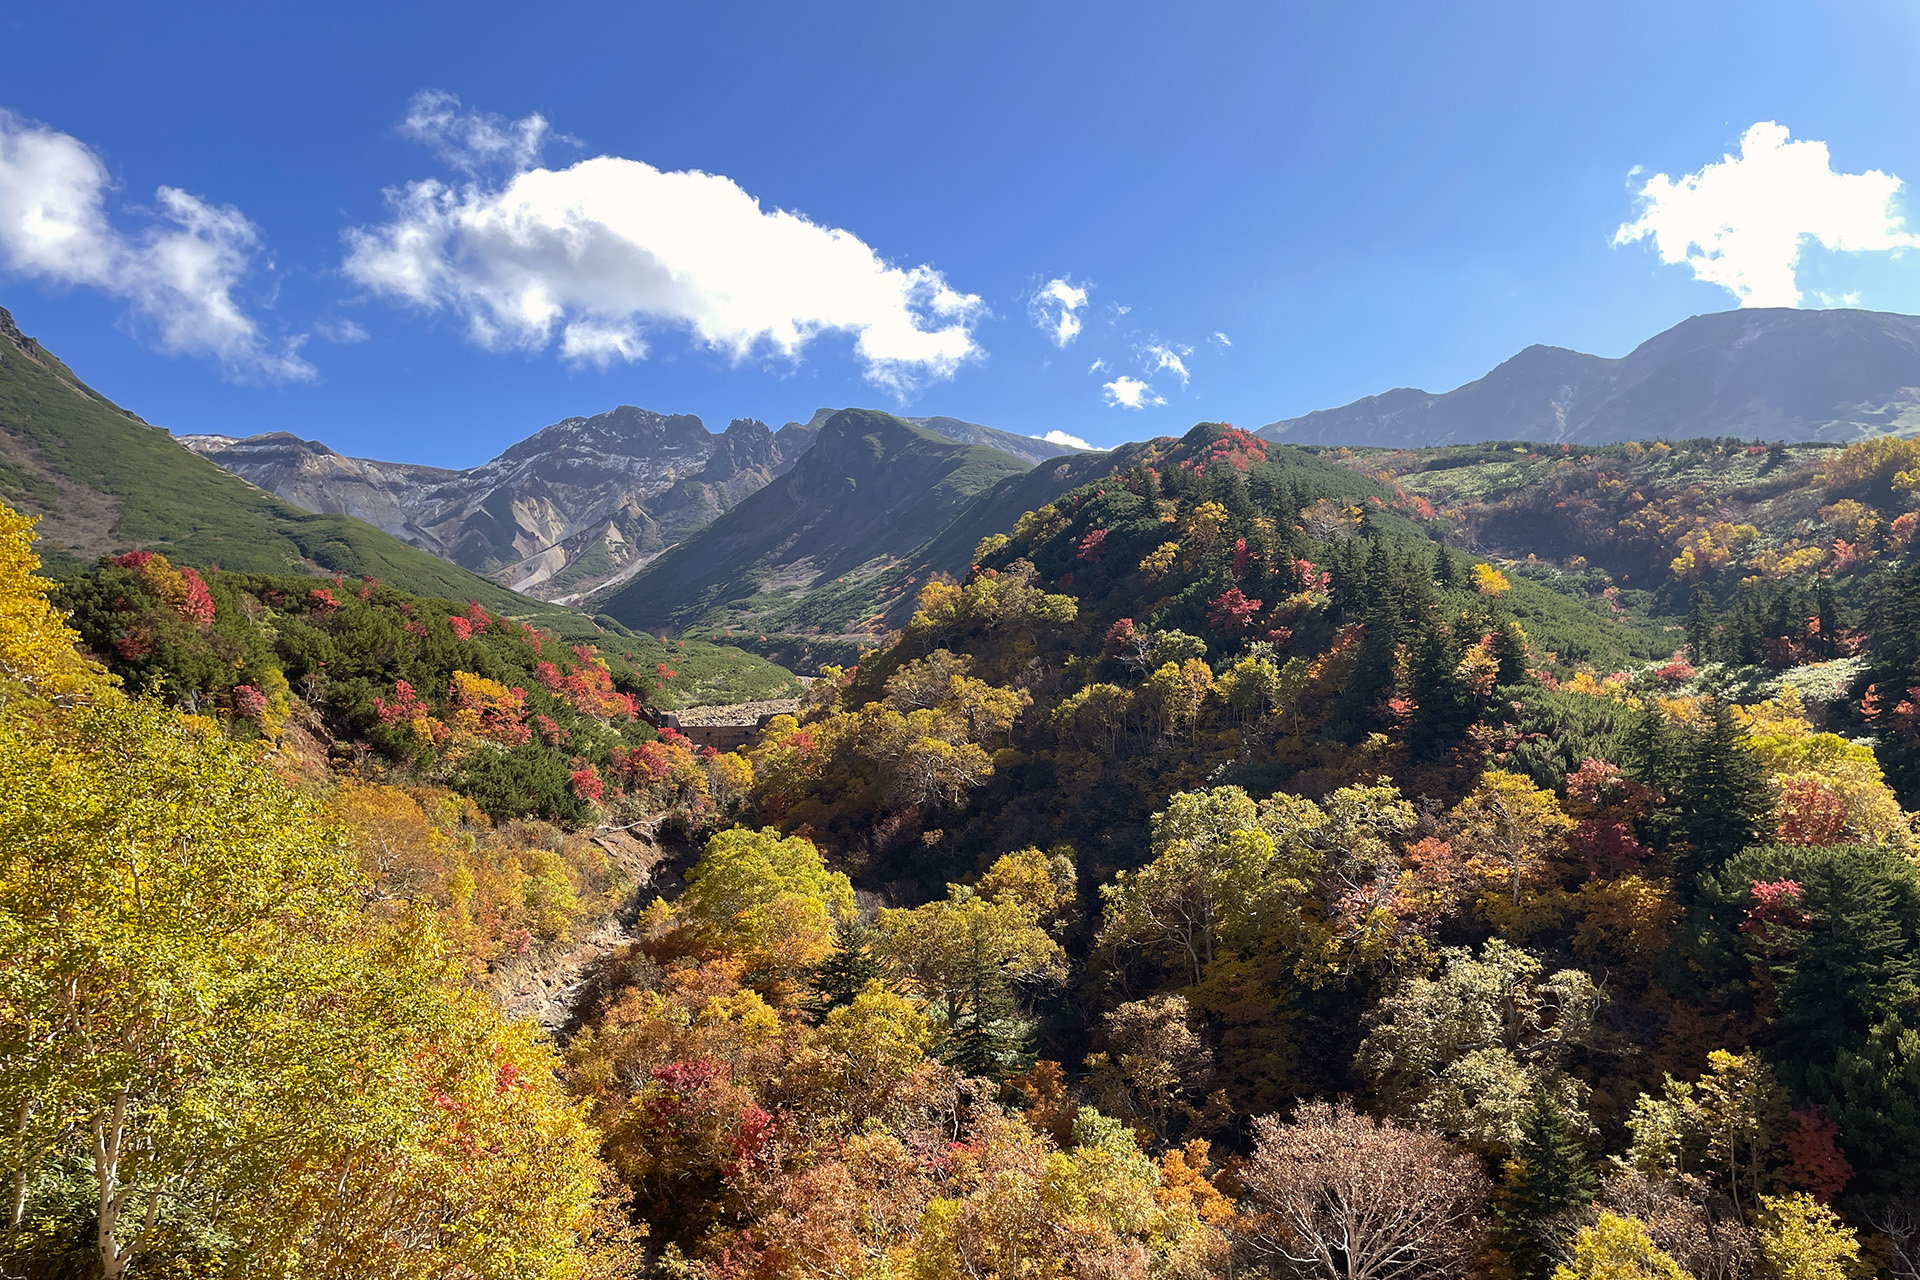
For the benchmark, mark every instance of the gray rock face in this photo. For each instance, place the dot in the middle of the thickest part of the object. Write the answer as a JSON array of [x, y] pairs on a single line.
[[1766, 373]]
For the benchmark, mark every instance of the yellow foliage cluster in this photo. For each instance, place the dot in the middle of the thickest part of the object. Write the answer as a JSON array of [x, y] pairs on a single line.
[[1888, 460], [37, 655], [1489, 581], [1712, 546], [495, 890], [1824, 769]]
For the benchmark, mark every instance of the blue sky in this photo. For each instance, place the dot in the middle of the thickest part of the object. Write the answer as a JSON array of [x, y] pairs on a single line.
[[1354, 197]]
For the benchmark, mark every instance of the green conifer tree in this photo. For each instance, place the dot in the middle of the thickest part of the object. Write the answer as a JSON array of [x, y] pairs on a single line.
[[1701, 622], [1547, 1178], [843, 975], [1826, 613], [1717, 801], [991, 1038]]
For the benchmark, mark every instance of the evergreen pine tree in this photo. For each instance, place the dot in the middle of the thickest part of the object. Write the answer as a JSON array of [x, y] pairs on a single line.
[[843, 975], [1547, 1177], [1718, 799], [1383, 614], [1442, 567], [990, 1038], [1701, 621], [1827, 620], [1510, 651], [1442, 710], [1895, 625]]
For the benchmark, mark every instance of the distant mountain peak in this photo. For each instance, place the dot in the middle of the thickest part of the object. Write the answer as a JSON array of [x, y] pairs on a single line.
[[1768, 373]]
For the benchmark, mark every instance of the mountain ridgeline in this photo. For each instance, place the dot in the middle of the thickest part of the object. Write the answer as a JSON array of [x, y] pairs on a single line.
[[1767, 374]]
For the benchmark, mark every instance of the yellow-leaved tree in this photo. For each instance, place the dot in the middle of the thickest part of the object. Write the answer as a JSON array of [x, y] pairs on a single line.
[[37, 656]]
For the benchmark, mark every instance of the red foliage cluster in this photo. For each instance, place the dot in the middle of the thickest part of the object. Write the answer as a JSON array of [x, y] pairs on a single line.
[[1232, 610], [1816, 1162], [320, 600], [1241, 558], [197, 608], [405, 706], [248, 702], [1093, 546], [587, 784], [1235, 448], [1810, 815], [1775, 902]]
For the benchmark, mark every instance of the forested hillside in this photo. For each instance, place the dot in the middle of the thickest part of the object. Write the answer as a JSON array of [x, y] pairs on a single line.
[[1246, 862]]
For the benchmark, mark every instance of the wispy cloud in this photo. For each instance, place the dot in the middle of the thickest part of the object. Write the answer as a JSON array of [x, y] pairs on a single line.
[[1220, 339], [476, 142], [1132, 393], [1056, 306], [344, 331], [603, 252], [179, 272], [1741, 223], [1163, 358]]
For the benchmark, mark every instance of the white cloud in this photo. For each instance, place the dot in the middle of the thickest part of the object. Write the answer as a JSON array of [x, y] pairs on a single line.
[[1161, 357], [344, 331], [603, 250], [179, 273], [476, 141], [1221, 339], [1742, 223], [1131, 393], [1061, 437], [1056, 306], [1097, 365]]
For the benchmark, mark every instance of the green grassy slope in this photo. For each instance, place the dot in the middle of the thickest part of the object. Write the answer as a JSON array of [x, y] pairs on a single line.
[[104, 481], [812, 551]]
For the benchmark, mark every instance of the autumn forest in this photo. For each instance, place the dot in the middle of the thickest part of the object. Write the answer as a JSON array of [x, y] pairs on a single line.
[[1263, 861]]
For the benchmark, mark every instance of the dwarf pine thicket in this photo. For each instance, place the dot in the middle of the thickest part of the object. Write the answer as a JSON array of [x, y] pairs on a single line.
[[1228, 875]]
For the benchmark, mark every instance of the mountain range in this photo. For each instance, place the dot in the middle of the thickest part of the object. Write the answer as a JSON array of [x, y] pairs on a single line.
[[577, 507], [1765, 373], [822, 528]]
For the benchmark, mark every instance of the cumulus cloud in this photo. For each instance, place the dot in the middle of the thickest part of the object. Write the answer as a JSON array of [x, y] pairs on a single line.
[[603, 252], [1741, 223], [1061, 437], [1131, 393], [179, 273], [1056, 306]]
